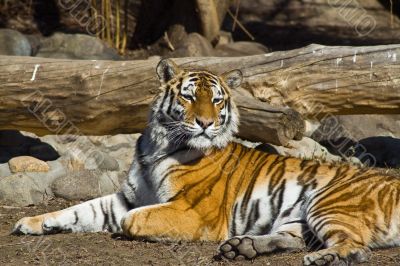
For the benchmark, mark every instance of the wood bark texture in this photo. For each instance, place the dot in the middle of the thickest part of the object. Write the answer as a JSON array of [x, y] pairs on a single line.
[[53, 96]]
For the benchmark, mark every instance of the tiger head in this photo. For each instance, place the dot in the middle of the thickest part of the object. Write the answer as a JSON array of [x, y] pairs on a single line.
[[195, 108]]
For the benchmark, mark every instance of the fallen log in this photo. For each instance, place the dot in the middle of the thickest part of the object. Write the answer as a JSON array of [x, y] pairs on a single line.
[[50, 96]]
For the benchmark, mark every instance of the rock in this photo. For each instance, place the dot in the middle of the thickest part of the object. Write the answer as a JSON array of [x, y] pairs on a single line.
[[76, 46], [374, 139], [27, 164], [102, 161], [240, 49], [35, 42], [122, 148], [357, 127], [4, 170], [192, 46], [72, 163], [114, 142], [224, 37], [85, 185], [176, 35], [14, 43], [43, 151], [20, 190]]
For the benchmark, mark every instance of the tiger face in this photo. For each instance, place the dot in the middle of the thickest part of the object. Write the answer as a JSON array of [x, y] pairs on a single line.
[[196, 107]]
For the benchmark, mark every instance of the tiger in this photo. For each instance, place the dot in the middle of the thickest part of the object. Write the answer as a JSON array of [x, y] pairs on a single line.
[[190, 180]]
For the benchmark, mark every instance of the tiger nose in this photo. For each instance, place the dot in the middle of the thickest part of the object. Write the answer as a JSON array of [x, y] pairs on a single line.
[[204, 123]]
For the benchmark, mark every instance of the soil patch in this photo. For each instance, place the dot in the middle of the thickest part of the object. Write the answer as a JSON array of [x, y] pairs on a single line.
[[102, 248]]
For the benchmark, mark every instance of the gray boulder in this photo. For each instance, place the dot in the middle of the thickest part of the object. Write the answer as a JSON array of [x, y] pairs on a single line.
[[4, 170], [76, 46], [192, 46], [86, 184], [374, 139], [22, 189], [14, 43], [357, 127], [102, 161], [240, 49]]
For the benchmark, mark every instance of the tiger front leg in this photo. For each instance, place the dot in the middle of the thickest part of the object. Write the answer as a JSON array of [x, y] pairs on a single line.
[[167, 221], [101, 214]]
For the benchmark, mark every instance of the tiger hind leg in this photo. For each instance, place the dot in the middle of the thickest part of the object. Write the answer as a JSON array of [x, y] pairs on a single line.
[[343, 253], [287, 238], [345, 238]]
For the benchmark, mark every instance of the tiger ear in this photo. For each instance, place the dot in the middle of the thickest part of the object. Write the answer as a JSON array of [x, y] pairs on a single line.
[[233, 78], [167, 70]]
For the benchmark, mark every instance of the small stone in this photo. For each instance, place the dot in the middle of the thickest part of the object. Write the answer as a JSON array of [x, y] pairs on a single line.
[[27, 164]]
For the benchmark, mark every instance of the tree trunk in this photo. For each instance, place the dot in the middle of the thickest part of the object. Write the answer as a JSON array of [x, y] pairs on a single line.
[[51, 96]]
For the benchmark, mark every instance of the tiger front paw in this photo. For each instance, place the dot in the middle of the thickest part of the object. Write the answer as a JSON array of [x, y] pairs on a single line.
[[29, 226], [238, 248]]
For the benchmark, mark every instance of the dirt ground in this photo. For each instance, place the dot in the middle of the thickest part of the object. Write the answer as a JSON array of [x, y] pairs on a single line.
[[104, 249]]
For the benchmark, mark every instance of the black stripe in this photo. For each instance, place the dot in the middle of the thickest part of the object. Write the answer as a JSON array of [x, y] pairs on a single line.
[[304, 189], [253, 216], [280, 191], [253, 180], [94, 211], [229, 108], [171, 99], [76, 217], [167, 90], [104, 211], [276, 171], [113, 219], [213, 81], [257, 212], [296, 222], [233, 227], [287, 212]]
